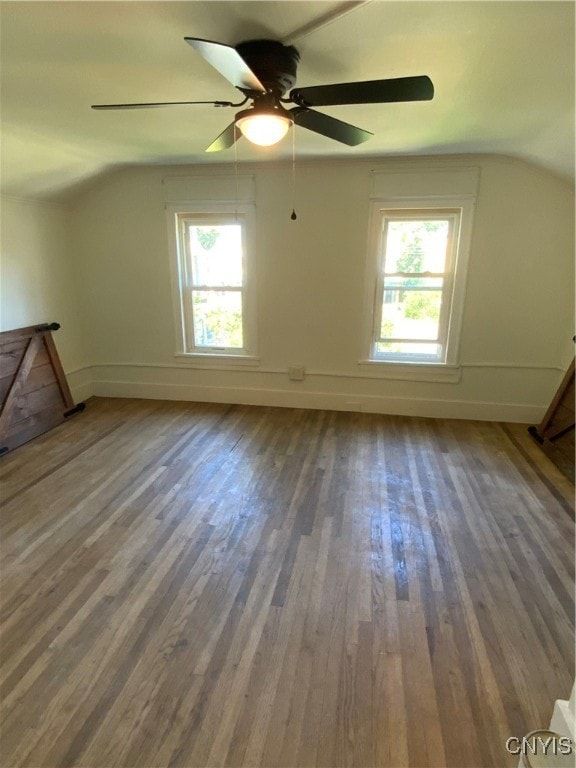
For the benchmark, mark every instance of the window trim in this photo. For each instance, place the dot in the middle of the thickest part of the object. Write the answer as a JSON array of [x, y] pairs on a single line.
[[453, 216], [464, 206], [177, 215]]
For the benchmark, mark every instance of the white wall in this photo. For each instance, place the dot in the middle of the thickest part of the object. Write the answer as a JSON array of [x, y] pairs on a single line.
[[518, 320], [37, 280]]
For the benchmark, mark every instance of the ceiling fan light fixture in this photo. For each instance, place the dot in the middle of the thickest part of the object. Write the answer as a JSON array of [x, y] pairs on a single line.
[[263, 127], [263, 71]]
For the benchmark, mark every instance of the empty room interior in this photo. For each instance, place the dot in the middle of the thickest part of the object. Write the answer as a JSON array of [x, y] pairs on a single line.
[[287, 380]]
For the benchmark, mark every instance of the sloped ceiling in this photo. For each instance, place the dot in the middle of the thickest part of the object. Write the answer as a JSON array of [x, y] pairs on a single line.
[[503, 75]]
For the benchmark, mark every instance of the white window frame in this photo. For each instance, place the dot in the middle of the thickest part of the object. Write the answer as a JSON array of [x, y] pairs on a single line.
[[460, 210], [208, 214]]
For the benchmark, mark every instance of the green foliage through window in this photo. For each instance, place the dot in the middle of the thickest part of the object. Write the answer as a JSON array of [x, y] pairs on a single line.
[[207, 237], [224, 328], [421, 306]]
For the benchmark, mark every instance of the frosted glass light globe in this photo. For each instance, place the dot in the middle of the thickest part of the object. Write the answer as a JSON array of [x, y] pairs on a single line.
[[264, 129]]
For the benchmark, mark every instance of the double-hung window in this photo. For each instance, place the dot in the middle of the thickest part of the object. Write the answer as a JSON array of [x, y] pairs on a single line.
[[215, 282], [418, 283]]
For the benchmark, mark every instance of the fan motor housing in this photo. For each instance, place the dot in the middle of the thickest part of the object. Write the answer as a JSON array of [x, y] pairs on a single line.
[[272, 62]]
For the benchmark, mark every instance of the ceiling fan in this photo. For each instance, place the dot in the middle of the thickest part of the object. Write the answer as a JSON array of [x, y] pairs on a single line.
[[264, 70]]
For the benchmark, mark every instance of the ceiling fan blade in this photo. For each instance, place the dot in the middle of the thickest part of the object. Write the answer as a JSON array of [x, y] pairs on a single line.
[[161, 104], [226, 139], [369, 92], [228, 62], [330, 126]]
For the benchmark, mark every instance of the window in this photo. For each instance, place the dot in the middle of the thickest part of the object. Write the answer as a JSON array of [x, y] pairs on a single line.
[[215, 298], [417, 282]]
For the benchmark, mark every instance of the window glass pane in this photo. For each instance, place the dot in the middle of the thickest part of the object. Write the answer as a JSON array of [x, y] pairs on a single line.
[[216, 252], [217, 318], [410, 314], [408, 348], [416, 246]]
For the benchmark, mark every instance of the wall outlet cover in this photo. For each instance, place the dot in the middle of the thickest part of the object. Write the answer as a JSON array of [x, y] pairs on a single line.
[[296, 372]]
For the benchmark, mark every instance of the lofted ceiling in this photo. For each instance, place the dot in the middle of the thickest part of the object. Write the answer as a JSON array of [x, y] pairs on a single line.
[[503, 75]]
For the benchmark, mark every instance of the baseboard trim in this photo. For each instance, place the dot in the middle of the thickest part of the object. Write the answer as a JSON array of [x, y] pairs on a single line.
[[444, 409], [81, 384]]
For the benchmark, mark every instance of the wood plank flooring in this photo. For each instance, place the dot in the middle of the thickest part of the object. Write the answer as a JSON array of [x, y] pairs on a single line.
[[191, 585]]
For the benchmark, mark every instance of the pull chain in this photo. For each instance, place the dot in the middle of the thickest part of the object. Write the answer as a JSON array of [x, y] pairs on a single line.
[[236, 169], [293, 215]]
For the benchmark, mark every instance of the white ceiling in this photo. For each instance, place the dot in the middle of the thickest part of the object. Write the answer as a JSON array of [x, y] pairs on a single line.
[[503, 75]]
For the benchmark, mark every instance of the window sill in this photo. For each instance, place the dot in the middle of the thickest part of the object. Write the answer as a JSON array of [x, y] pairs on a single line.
[[214, 360], [432, 372]]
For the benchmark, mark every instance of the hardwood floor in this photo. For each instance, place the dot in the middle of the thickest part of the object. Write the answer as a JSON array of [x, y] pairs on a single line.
[[201, 585]]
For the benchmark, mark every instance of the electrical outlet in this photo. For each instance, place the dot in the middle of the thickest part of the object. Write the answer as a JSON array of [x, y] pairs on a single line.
[[296, 372]]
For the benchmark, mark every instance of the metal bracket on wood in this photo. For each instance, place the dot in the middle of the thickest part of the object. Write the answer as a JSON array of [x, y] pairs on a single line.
[[47, 327], [533, 431], [77, 409]]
